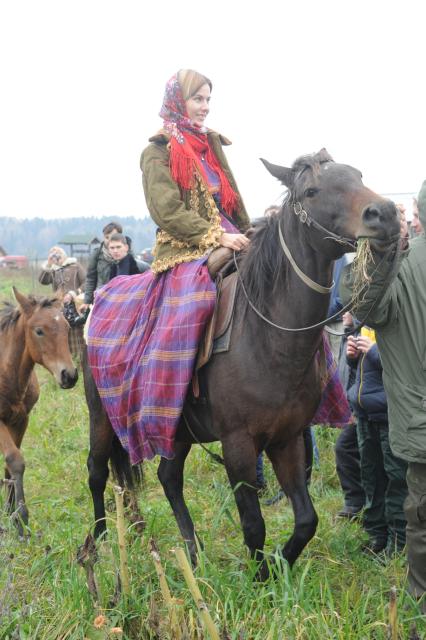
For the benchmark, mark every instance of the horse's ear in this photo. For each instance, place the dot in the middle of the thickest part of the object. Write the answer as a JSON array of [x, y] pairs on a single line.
[[283, 174], [23, 302], [324, 156]]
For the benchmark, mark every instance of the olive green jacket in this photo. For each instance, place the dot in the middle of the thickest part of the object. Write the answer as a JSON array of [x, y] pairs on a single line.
[[188, 220], [399, 318]]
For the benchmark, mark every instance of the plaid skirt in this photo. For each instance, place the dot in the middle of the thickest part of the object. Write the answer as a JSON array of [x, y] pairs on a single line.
[[143, 339], [334, 409]]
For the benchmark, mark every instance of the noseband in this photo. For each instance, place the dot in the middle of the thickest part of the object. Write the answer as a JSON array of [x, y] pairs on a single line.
[[305, 218]]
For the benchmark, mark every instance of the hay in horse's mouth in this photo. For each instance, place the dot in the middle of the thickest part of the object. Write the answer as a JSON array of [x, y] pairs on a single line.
[[361, 262]]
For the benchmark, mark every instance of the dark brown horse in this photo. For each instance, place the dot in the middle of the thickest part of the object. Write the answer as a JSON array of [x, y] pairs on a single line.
[[265, 390], [34, 332]]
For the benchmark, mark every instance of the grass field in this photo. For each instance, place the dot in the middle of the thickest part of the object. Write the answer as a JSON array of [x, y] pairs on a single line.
[[333, 591]]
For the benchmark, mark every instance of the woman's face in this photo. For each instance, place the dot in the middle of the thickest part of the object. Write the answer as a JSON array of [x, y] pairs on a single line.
[[197, 106]]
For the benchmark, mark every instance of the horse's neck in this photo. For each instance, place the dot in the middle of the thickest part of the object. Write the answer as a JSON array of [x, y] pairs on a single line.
[[293, 304], [313, 263], [294, 298], [17, 364]]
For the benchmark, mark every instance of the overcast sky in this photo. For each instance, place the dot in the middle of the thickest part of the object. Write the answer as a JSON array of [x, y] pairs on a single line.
[[82, 83]]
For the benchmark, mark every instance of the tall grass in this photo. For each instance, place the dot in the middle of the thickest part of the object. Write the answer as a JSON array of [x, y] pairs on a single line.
[[332, 592]]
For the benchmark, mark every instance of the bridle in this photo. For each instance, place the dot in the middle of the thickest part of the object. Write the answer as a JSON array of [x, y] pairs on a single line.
[[305, 218]]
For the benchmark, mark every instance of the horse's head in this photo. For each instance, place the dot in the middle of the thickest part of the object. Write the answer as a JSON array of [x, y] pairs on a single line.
[[331, 198], [46, 337]]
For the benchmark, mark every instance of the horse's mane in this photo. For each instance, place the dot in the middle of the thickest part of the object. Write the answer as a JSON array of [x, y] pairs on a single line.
[[312, 162], [265, 266], [10, 313]]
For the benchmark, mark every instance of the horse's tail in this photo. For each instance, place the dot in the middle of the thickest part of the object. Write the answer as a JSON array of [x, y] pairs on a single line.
[[125, 475]]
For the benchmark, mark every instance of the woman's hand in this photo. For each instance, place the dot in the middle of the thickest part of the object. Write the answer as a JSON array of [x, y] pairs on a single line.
[[236, 241]]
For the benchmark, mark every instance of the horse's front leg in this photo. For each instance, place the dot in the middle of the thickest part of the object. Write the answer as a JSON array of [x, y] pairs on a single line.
[[170, 474], [15, 468], [240, 461], [289, 464]]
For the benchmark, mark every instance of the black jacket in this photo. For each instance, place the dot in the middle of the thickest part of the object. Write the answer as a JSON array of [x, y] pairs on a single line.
[[127, 266], [367, 395]]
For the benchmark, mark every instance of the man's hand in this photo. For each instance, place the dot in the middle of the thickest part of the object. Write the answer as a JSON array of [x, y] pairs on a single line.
[[364, 344], [352, 347]]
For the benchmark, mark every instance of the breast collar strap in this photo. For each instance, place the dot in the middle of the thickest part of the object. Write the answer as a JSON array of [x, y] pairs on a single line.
[[319, 288]]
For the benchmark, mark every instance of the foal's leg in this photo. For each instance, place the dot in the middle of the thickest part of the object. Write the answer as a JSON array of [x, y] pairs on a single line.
[[240, 461], [290, 469], [15, 468], [170, 474]]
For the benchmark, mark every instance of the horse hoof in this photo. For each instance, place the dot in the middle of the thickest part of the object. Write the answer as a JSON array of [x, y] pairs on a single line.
[[262, 574], [100, 530]]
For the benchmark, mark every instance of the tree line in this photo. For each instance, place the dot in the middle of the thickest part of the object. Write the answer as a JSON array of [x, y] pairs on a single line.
[[33, 237]]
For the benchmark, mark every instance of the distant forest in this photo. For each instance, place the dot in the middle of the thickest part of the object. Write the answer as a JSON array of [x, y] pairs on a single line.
[[34, 237]]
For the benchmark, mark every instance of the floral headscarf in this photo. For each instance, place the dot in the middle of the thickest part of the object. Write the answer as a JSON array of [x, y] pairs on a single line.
[[188, 138], [173, 110]]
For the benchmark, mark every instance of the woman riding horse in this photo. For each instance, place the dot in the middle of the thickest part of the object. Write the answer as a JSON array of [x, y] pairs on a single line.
[[192, 196]]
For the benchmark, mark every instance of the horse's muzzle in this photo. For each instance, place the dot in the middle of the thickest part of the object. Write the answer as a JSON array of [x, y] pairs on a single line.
[[381, 220], [68, 378]]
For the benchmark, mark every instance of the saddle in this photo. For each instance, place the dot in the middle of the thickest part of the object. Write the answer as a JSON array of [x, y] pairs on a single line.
[[218, 331]]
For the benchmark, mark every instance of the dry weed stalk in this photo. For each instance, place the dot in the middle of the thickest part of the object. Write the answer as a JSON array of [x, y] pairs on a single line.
[[196, 594], [393, 615], [121, 532], [170, 602]]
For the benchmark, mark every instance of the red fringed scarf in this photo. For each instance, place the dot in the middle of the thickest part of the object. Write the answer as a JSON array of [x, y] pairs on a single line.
[[184, 161], [187, 143]]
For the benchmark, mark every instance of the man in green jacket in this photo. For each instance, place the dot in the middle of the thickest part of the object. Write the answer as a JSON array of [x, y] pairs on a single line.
[[398, 315]]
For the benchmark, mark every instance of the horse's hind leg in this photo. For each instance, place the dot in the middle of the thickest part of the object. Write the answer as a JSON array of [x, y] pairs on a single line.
[[240, 462], [290, 469], [15, 468], [170, 474], [97, 464], [101, 437]]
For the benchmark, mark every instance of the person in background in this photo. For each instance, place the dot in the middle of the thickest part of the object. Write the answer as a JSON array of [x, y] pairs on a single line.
[[62, 272], [396, 303], [65, 274], [99, 268], [146, 255], [416, 226], [124, 264], [382, 473], [271, 210], [346, 450], [336, 325]]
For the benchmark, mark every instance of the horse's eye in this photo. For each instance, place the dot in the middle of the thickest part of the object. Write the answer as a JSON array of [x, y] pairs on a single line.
[[39, 332], [311, 192]]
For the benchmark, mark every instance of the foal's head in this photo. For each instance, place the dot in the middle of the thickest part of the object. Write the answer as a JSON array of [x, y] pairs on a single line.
[[46, 336], [334, 196]]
